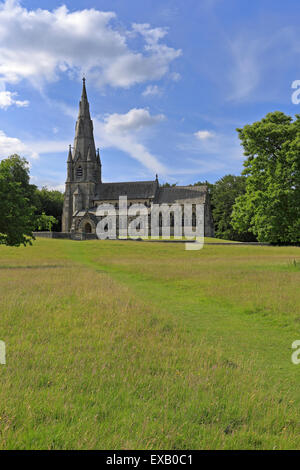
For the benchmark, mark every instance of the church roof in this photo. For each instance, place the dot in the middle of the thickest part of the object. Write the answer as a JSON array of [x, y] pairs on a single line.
[[182, 195], [133, 190]]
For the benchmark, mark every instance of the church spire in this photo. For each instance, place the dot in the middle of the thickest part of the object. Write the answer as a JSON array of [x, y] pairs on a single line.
[[84, 167], [70, 158], [84, 135], [83, 95], [84, 107]]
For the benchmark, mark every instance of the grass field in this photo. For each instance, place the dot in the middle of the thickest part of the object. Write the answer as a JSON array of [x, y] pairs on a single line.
[[130, 345]]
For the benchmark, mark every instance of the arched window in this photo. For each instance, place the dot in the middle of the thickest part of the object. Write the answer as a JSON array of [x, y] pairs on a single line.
[[87, 228], [79, 172], [160, 219], [172, 219]]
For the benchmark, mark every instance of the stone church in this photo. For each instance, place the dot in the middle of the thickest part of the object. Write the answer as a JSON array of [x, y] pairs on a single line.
[[85, 190]]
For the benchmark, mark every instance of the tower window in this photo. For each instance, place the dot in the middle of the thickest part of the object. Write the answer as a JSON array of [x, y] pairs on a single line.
[[79, 172]]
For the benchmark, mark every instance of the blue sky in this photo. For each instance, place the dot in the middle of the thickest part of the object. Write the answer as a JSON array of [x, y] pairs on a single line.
[[168, 82]]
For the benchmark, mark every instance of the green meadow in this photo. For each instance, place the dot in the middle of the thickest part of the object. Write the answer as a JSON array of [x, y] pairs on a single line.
[[134, 345]]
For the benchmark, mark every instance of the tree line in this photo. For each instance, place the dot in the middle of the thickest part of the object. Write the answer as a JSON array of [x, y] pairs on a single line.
[[263, 203]]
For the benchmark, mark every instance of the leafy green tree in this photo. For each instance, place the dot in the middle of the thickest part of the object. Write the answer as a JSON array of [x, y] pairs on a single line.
[[17, 209], [270, 207], [223, 195], [50, 202], [45, 222]]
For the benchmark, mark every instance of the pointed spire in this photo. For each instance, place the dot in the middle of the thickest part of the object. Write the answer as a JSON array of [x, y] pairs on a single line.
[[99, 165], [84, 136], [83, 94], [70, 157], [84, 110]]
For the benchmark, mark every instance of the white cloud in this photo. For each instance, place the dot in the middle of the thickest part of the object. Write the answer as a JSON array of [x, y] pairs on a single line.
[[39, 44], [134, 120], [7, 99], [30, 149], [151, 90], [203, 135], [123, 131], [54, 187], [51, 184], [11, 145], [151, 35]]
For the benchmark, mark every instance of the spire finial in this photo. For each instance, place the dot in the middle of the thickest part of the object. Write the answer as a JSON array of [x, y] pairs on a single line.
[[83, 87]]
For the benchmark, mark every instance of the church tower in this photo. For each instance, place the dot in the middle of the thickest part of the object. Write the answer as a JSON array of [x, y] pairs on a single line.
[[83, 166]]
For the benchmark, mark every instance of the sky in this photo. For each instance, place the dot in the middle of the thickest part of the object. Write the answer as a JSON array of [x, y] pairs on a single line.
[[168, 82]]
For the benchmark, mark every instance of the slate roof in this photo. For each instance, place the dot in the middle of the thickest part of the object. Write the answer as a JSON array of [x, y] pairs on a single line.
[[133, 190], [181, 195]]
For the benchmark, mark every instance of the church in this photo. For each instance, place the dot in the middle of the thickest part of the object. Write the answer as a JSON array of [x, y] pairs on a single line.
[[85, 191]]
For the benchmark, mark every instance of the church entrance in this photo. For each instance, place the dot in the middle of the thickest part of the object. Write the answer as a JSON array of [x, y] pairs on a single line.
[[87, 228]]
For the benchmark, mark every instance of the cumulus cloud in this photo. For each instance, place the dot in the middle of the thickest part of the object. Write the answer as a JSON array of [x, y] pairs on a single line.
[[39, 44], [7, 99], [203, 135], [134, 120]]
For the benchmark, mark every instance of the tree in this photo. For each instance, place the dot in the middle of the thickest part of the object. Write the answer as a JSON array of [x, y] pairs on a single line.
[[16, 202], [270, 207], [45, 222], [50, 203], [223, 195]]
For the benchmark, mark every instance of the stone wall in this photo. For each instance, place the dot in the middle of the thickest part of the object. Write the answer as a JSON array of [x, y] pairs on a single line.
[[52, 234]]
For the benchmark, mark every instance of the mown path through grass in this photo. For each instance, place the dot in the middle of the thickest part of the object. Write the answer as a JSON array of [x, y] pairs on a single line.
[[244, 322]]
